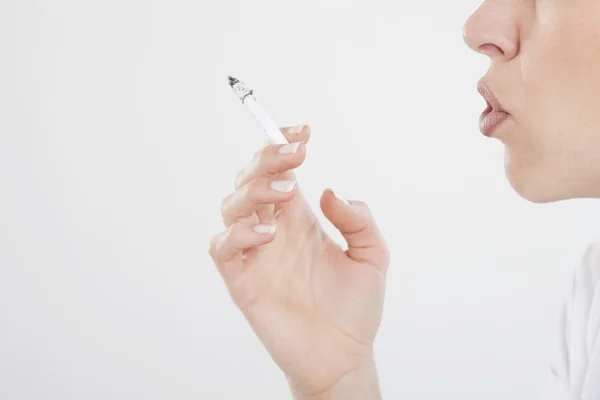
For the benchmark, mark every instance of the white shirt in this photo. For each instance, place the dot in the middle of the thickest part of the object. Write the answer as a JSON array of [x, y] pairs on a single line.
[[575, 374]]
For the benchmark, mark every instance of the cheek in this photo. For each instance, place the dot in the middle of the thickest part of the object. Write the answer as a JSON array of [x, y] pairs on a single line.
[[549, 67], [560, 61], [554, 150], [560, 66]]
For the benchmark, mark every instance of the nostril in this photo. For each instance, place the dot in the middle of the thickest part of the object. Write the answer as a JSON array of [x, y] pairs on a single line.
[[490, 50]]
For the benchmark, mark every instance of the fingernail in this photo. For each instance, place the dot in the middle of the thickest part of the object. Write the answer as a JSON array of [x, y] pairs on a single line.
[[340, 198], [283, 186], [295, 130], [265, 228], [289, 148]]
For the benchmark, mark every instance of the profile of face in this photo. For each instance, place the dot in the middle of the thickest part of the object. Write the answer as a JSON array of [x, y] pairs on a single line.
[[545, 74]]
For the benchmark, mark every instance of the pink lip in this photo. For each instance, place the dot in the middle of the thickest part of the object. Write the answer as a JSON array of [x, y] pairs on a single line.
[[493, 115]]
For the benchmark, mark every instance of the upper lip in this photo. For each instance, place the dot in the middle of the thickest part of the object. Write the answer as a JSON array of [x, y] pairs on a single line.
[[489, 97]]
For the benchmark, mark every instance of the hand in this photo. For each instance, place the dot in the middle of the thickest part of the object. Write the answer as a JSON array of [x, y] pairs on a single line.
[[315, 307]]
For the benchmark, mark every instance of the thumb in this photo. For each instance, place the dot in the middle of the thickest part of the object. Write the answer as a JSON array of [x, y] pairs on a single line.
[[356, 223]]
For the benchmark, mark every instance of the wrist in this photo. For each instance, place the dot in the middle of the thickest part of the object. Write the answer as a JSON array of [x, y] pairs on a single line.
[[359, 384]]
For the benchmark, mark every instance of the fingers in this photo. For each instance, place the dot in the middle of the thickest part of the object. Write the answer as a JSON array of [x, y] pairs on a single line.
[[239, 238], [356, 223], [254, 196], [273, 160], [300, 133], [267, 182]]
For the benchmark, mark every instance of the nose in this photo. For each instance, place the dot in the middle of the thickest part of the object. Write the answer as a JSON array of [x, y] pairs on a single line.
[[493, 30]]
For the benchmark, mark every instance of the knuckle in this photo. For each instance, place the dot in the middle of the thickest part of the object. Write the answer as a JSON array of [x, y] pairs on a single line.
[[360, 204], [255, 187], [269, 161], [212, 247], [225, 203], [386, 253], [234, 229], [245, 192], [238, 178], [254, 191], [263, 156], [386, 260], [259, 154], [235, 235]]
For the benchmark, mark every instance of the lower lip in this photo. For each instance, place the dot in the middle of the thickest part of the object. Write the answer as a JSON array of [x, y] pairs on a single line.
[[490, 120]]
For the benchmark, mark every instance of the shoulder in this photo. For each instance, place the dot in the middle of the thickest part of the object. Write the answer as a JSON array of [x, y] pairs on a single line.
[[583, 303], [587, 275], [579, 364], [576, 367]]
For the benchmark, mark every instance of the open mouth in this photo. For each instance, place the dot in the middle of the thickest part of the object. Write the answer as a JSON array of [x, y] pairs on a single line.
[[488, 109], [493, 115]]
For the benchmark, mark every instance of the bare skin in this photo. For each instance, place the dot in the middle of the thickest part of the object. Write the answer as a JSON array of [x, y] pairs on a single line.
[[316, 306]]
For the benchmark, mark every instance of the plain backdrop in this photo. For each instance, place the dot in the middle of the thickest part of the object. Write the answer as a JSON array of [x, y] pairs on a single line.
[[119, 136]]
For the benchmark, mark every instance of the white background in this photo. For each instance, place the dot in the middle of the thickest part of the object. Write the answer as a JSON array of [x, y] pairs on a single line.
[[119, 136]]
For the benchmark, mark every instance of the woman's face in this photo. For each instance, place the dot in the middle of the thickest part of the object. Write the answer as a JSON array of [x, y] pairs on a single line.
[[545, 73]]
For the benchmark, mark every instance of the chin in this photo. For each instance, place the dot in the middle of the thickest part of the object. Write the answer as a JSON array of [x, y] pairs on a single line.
[[533, 184]]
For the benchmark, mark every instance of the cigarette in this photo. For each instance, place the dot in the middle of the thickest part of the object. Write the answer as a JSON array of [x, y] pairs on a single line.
[[247, 97]]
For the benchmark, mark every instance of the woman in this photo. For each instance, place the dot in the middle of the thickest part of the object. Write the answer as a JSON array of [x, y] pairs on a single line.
[[317, 308]]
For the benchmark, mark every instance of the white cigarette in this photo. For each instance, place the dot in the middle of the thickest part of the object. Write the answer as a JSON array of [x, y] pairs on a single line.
[[247, 96]]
